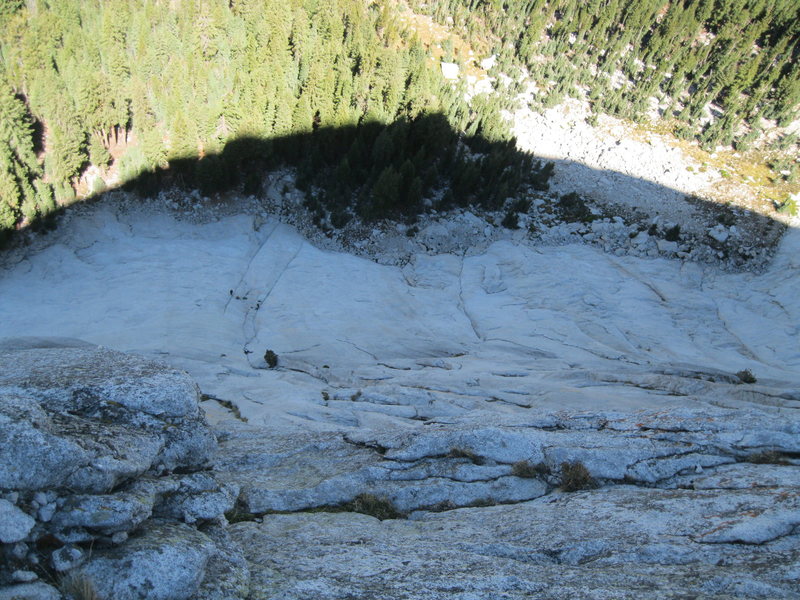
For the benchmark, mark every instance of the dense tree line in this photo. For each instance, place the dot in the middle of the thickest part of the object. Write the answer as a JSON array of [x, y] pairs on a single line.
[[332, 87], [743, 55]]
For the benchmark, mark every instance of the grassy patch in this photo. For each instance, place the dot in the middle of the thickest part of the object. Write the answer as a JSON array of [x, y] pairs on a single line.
[[442, 506], [575, 476], [482, 503], [788, 207], [239, 515], [443, 42], [529, 470], [369, 504], [77, 586], [752, 168]]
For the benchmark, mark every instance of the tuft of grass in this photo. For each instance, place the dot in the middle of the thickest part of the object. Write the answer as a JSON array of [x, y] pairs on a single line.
[[575, 476], [271, 359], [528, 470], [77, 586], [768, 457], [369, 504], [746, 376], [465, 453]]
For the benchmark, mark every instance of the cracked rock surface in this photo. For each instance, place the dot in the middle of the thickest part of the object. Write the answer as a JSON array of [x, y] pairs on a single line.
[[526, 421], [622, 542], [674, 509]]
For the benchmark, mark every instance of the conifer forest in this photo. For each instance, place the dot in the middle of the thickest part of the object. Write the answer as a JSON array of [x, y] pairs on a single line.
[[212, 94]]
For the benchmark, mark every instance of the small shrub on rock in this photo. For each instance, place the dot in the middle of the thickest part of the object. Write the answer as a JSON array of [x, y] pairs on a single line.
[[521, 205], [271, 359], [575, 476], [528, 470], [746, 376], [574, 209], [673, 234], [368, 504], [511, 220]]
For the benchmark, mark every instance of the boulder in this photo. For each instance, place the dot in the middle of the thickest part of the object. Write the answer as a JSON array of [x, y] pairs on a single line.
[[165, 561], [112, 415], [15, 525], [198, 497], [450, 70], [30, 591], [93, 444]]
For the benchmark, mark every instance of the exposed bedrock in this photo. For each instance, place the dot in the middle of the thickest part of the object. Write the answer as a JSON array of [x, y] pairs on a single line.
[[619, 542], [113, 483], [703, 502], [105, 480]]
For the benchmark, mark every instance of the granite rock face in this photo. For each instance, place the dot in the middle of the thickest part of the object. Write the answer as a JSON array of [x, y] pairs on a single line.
[[702, 503], [164, 561], [114, 494], [102, 417], [104, 460], [622, 542], [498, 461]]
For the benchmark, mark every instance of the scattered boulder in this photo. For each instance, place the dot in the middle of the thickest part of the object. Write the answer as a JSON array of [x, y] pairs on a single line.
[[450, 70], [198, 497], [66, 558], [666, 246], [719, 233]]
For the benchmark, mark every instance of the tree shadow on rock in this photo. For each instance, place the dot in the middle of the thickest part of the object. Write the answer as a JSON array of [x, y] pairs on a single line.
[[411, 167]]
